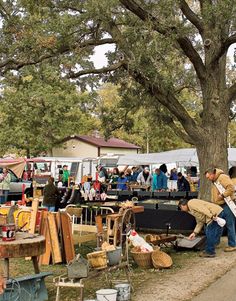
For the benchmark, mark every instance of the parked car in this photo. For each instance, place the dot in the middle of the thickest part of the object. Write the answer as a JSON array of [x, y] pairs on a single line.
[[17, 186]]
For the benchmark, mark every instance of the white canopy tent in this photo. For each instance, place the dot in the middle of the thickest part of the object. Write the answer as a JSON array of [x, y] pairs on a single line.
[[181, 157]]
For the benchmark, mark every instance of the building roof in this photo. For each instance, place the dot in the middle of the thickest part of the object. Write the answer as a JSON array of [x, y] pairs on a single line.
[[101, 142]]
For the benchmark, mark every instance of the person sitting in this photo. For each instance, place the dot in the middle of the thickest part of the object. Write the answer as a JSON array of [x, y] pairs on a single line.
[[205, 213], [159, 181], [50, 195], [122, 181], [182, 183]]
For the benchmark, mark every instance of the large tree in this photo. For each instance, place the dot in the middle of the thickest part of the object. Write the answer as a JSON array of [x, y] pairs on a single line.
[[169, 48], [39, 109]]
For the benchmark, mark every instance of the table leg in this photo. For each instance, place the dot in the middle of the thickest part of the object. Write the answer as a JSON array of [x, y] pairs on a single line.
[[35, 264], [6, 268]]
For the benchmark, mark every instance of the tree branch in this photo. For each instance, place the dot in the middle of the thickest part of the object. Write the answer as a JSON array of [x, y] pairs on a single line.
[[184, 43], [15, 64], [193, 56], [168, 100], [132, 6], [178, 131], [96, 71], [224, 47], [191, 16]]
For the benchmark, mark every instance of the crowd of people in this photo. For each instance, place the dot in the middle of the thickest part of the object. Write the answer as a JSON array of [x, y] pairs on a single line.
[[115, 179], [156, 180]]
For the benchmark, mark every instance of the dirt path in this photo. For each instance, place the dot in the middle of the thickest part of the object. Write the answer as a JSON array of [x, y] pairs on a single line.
[[189, 280]]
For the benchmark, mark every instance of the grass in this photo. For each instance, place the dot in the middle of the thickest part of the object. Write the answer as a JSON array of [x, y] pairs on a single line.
[[20, 267]]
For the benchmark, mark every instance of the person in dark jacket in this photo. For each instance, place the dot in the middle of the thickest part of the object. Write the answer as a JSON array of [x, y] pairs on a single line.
[[182, 183], [50, 195]]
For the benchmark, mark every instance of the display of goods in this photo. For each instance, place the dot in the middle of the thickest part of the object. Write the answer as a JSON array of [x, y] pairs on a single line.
[[97, 260], [143, 259], [159, 239], [161, 260]]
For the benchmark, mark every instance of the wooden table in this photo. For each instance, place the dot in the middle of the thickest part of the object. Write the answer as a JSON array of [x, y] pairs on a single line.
[[25, 245]]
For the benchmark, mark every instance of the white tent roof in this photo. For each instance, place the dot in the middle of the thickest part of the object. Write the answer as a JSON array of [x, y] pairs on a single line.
[[181, 157]]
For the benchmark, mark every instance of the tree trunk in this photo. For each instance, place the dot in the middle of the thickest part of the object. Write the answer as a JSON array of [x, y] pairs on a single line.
[[212, 152]]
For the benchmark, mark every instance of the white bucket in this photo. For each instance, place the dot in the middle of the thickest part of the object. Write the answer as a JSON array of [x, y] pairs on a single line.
[[123, 291], [106, 295]]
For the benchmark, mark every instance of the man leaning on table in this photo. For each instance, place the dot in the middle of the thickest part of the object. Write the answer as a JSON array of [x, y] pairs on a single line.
[[217, 175]]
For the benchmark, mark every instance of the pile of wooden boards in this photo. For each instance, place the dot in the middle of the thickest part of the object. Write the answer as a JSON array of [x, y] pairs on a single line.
[[56, 227]]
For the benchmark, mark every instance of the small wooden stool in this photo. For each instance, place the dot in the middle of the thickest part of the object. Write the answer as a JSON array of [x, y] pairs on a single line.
[[113, 227], [64, 281]]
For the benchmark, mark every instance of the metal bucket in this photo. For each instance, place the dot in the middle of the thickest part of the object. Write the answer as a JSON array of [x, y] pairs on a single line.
[[106, 295], [114, 256], [123, 291], [8, 232]]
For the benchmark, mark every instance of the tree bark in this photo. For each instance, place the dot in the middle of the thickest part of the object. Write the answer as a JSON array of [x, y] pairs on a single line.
[[212, 152]]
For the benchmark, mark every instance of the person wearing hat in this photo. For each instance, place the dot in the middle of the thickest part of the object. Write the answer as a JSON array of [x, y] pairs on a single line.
[[145, 177], [209, 214]]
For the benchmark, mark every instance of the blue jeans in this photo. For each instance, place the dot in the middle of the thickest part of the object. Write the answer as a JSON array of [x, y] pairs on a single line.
[[4, 196], [213, 233], [230, 225], [50, 208]]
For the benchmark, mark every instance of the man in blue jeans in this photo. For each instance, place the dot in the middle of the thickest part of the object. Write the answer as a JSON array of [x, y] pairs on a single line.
[[217, 175], [207, 214]]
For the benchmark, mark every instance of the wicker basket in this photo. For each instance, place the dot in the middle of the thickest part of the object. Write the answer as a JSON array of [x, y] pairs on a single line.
[[161, 260], [150, 238], [143, 259], [97, 260]]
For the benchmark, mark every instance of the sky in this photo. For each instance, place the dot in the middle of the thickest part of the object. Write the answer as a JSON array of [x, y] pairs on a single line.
[[100, 59]]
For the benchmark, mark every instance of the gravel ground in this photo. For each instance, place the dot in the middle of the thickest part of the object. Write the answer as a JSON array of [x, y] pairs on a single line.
[[189, 280]]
